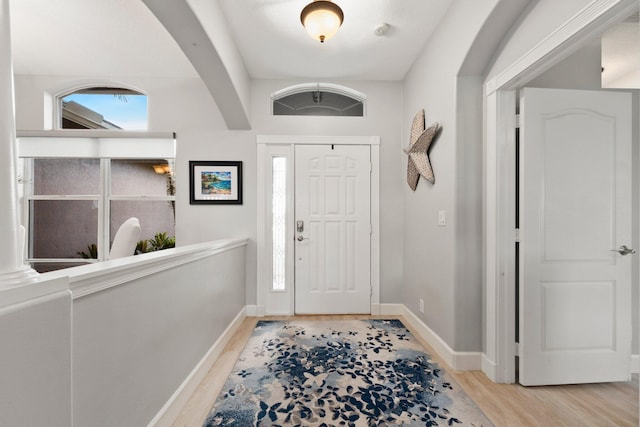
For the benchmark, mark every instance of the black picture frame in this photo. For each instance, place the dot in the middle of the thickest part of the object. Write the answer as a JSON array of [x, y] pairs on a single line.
[[215, 182]]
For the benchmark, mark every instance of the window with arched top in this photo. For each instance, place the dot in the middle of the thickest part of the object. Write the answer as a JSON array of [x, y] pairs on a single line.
[[100, 107], [82, 181], [318, 99]]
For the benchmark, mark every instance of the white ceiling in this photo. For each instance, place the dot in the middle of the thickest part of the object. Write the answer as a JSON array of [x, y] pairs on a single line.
[[106, 38], [112, 38], [274, 44], [92, 38]]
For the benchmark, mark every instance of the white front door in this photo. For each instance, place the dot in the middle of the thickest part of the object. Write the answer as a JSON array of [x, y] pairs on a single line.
[[333, 229], [575, 212]]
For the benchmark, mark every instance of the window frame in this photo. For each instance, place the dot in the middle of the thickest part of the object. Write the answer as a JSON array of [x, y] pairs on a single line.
[[103, 145], [285, 236], [321, 87], [58, 98]]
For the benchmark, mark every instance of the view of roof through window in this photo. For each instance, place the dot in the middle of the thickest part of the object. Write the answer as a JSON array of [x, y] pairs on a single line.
[[104, 108]]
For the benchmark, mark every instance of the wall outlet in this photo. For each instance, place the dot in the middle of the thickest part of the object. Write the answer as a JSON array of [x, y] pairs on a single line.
[[421, 305]]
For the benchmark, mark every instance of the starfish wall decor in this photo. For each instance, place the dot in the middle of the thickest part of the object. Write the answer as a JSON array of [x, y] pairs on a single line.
[[418, 163], [417, 128]]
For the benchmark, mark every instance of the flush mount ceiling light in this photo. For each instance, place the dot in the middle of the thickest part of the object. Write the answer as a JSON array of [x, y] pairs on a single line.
[[321, 19]]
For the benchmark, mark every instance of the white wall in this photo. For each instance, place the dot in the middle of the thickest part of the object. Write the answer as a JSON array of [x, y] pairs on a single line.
[[581, 70], [442, 265], [543, 17], [468, 220]]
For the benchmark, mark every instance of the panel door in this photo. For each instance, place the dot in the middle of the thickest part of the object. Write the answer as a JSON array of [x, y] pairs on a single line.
[[575, 207], [333, 229]]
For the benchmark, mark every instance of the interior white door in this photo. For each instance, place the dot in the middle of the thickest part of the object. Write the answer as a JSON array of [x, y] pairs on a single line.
[[333, 229], [575, 212]]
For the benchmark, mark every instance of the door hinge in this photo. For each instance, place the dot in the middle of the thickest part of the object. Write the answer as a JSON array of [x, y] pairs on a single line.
[[516, 348], [517, 235], [516, 121]]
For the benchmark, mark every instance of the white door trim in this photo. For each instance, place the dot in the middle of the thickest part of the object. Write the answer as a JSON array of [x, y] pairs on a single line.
[[499, 228], [272, 302]]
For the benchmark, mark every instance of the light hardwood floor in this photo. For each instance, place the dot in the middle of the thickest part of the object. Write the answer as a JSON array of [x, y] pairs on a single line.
[[588, 405]]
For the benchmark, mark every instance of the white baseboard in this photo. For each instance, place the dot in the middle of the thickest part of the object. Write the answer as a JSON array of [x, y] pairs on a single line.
[[467, 360], [387, 309], [458, 360], [489, 368], [171, 410], [635, 363], [255, 310]]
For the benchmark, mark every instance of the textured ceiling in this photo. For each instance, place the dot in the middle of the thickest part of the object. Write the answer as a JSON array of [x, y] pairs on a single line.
[[123, 38], [111, 38], [92, 38], [274, 44]]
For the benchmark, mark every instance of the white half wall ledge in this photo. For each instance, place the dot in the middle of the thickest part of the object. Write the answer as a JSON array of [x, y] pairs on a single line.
[[41, 286], [88, 279]]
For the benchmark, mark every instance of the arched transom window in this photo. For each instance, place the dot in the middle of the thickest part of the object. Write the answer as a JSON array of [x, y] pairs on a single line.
[[318, 99], [98, 107]]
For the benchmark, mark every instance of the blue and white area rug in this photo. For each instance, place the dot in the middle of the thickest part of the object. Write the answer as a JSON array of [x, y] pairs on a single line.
[[339, 373]]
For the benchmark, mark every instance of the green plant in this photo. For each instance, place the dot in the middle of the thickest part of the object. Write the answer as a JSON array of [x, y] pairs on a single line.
[[161, 241], [92, 252], [142, 246]]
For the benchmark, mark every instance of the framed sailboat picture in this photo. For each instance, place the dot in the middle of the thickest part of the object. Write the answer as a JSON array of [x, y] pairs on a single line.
[[215, 182]]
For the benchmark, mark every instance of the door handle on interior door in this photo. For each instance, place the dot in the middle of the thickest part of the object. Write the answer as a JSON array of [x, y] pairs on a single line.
[[300, 238], [624, 250]]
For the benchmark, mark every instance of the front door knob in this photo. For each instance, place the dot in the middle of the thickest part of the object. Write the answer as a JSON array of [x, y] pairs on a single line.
[[624, 250]]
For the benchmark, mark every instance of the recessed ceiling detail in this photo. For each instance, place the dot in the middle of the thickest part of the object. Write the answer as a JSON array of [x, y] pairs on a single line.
[[318, 99]]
